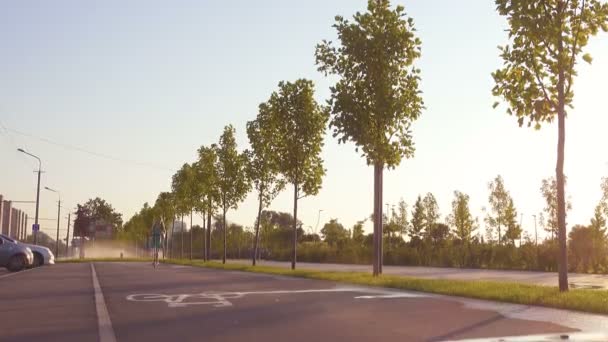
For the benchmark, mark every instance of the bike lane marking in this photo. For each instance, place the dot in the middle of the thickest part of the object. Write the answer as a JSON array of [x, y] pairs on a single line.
[[221, 299], [104, 324]]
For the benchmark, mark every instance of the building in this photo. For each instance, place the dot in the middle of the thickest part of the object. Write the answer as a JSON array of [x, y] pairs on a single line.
[[13, 221]]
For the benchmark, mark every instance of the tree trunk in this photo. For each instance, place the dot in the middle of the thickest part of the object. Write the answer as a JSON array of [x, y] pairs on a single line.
[[559, 175], [295, 226], [181, 235], [209, 214], [377, 256], [225, 233], [191, 213], [204, 236], [257, 232], [499, 229], [172, 233]]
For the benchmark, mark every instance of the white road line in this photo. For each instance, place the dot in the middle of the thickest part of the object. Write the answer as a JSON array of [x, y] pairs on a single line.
[[106, 333], [15, 273]]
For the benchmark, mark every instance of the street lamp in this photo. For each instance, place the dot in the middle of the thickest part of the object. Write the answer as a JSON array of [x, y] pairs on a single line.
[[37, 194], [58, 217]]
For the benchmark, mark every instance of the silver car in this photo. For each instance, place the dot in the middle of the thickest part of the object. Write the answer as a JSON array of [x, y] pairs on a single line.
[[14, 256], [42, 255]]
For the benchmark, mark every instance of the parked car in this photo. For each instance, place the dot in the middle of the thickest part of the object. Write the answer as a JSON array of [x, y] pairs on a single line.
[[14, 256], [42, 255]]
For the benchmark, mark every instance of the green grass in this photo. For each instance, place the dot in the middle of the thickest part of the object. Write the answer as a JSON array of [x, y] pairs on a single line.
[[594, 301], [77, 260]]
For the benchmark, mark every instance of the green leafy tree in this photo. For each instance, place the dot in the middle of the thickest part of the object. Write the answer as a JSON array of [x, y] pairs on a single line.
[[461, 218], [263, 167], [513, 230], [588, 245], [207, 180], [377, 97], [548, 190], [297, 124], [334, 233], [358, 233], [164, 210], [431, 214], [400, 218], [94, 210], [182, 188], [604, 201], [417, 226], [232, 181], [546, 37], [499, 201]]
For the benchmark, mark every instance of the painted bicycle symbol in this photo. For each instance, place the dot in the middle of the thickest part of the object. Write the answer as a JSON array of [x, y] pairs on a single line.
[[221, 299], [182, 300]]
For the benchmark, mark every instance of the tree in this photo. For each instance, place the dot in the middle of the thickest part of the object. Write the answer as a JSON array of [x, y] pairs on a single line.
[[439, 233], [604, 201], [377, 97], [499, 201], [95, 210], [334, 233], [416, 231], [588, 247], [513, 230], [549, 191], [297, 126], [400, 218], [262, 168], [431, 214], [461, 218], [358, 233], [546, 37], [207, 179], [233, 183], [164, 209], [181, 185]]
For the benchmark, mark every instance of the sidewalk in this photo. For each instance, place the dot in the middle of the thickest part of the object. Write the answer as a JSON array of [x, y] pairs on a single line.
[[576, 280]]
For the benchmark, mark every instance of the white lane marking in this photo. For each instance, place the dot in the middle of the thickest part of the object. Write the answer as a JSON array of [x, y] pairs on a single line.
[[106, 333], [220, 299], [16, 273], [589, 337]]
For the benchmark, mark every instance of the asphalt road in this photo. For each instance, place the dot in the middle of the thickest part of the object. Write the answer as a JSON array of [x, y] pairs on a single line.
[[134, 302], [576, 280]]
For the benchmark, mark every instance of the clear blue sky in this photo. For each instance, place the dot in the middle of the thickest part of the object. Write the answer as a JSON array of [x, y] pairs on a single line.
[[151, 81]]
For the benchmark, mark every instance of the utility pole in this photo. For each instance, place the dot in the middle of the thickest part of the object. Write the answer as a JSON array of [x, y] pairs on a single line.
[[58, 218], [67, 239], [57, 238], [37, 195]]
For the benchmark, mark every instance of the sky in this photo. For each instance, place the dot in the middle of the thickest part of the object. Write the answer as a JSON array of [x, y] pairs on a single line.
[[114, 96]]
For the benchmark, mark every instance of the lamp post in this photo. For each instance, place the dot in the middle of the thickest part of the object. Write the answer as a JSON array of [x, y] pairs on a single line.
[[58, 218], [37, 193]]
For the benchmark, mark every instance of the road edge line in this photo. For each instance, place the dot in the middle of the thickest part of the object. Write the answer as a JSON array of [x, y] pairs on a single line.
[[104, 324], [16, 273]]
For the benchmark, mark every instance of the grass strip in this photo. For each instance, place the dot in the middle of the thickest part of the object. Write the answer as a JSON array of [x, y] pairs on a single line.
[[584, 300]]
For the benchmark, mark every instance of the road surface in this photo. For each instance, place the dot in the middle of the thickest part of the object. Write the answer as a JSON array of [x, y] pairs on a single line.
[[134, 302], [577, 280]]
